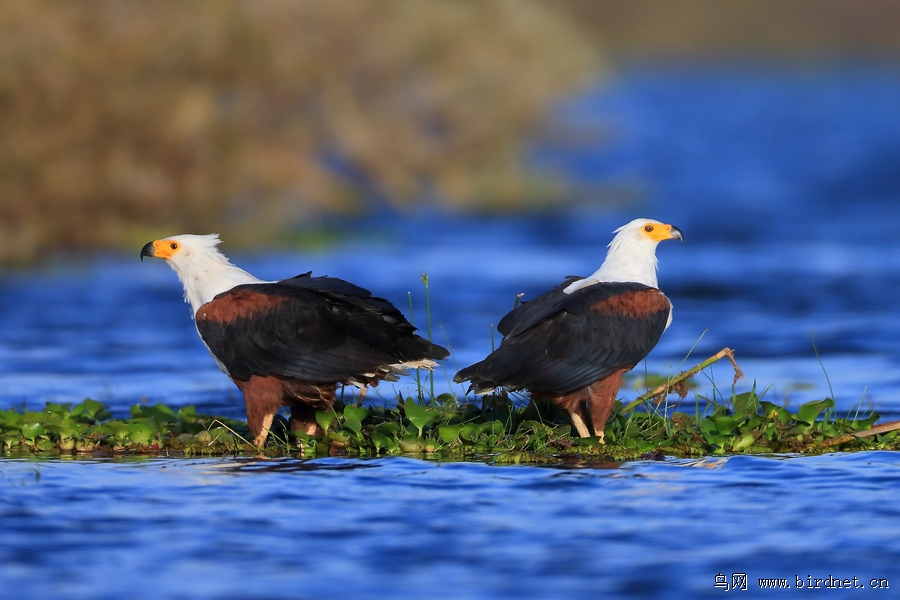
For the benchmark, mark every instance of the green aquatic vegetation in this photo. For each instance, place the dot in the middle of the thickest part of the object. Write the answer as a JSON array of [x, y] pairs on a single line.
[[88, 427], [502, 429]]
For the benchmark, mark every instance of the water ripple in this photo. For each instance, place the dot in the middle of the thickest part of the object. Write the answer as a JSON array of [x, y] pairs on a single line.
[[406, 528]]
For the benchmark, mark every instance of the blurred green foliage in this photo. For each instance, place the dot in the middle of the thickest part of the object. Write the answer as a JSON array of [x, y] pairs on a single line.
[[126, 119], [793, 30], [122, 121]]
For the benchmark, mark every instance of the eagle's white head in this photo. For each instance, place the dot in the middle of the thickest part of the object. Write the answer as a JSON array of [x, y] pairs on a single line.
[[632, 254], [203, 270]]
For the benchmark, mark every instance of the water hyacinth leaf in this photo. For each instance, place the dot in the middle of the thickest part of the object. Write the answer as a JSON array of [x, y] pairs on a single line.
[[388, 429], [449, 433], [358, 413], [31, 431], [745, 404], [716, 440], [352, 424], [532, 426], [775, 412], [119, 430], [445, 399], [9, 418], [707, 426], [886, 437], [419, 415], [726, 425], [92, 408], [467, 432], [491, 428], [160, 413], [203, 437], [410, 432], [754, 422], [667, 443], [587, 441], [140, 433], [324, 419], [863, 424], [301, 436], [378, 440], [187, 413], [218, 434], [536, 432], [809, 412], [64, 430], [42, 444], [58, 409], [338, 436], [353, 417], [410, 446], [33, 417], [743, 442], [382, 441]]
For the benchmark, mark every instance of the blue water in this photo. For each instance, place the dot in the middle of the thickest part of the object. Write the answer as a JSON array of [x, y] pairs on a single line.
[[787, 188], [405, 528]]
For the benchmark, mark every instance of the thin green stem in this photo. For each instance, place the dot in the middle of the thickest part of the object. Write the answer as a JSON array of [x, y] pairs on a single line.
[[428, 321], [412, 321], [821, 364]]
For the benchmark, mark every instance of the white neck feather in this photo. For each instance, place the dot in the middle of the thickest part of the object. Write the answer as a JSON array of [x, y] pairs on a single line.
[[205, 272], [629, 262], [629, 259]]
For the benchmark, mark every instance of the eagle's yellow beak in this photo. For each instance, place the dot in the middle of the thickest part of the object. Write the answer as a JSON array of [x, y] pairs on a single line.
[[663, 231], [160, 249]]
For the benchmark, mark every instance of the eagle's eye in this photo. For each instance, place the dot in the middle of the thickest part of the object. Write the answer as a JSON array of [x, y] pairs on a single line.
[[174, 245], [648, 228]]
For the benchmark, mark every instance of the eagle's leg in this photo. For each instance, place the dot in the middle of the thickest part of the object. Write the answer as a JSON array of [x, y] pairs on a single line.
[[572, 403], [601, 400], [578, 422], [303, 418], [259, 440], [305, 398], [262, 396]]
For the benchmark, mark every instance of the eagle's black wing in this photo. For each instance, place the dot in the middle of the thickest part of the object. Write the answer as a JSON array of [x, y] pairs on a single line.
[[561, 342], [311, 328]]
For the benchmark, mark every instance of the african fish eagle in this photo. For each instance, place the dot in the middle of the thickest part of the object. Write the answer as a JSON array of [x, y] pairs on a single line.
[[572, 344], [290, 342]]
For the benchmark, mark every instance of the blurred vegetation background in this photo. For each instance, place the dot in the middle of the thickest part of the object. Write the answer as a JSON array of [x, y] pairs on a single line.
[[122, 121]]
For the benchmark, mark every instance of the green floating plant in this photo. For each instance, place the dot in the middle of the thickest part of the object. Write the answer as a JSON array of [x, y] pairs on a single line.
[[498, 430]]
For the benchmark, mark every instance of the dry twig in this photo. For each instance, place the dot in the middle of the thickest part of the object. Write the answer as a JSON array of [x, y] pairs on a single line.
[[659, 393], [876, 430]]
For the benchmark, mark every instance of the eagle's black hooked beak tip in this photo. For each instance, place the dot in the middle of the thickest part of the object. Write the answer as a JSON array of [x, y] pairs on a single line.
[[147, 250]]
